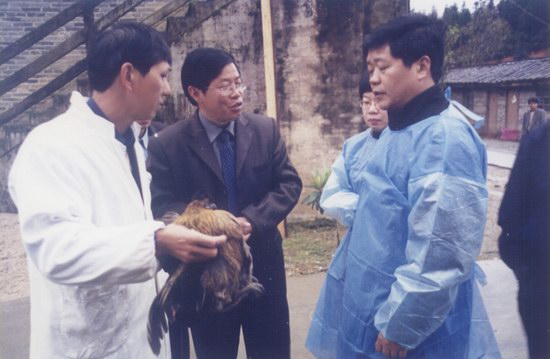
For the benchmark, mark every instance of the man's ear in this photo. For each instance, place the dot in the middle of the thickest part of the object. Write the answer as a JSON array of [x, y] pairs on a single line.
[[127, 76], [423, 66], [196, 93]]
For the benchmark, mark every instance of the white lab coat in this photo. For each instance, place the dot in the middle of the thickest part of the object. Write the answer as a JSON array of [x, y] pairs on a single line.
[[88, 237]]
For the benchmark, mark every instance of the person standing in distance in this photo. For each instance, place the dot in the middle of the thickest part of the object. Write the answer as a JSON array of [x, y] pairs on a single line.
[[533, 118], [80, 186], [239, 160]]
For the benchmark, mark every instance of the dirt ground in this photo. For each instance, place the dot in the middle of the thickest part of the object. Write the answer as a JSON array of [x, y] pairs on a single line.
[[13, 265], [13, 262]]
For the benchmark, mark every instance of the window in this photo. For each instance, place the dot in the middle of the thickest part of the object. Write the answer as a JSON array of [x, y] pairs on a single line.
[[543, 94]]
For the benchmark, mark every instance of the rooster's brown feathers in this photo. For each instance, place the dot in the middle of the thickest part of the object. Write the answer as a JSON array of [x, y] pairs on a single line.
[[214, 286]]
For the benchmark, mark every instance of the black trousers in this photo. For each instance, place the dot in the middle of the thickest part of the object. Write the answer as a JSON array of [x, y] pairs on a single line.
[[264, 320], [179, 341], [534, 309]]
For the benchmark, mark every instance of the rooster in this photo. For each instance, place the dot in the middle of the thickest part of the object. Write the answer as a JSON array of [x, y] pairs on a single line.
[[214, 286]]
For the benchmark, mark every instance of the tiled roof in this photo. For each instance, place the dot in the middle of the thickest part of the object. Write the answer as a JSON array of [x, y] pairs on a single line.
[[516, 71]]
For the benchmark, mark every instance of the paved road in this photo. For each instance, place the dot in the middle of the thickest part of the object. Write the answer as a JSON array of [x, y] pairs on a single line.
[[501, 159], [499, 296]]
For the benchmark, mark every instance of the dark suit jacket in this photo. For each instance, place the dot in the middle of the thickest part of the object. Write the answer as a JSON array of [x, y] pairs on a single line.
[[525, 209], [539, 119], [155, 128], [183, 165]]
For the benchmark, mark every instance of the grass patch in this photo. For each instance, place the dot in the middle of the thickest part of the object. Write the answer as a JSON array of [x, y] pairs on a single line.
[[310, 245]]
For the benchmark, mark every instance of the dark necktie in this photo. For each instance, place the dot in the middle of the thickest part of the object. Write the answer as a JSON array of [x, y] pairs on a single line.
[[130, 149], [227, 161], [127, 139]]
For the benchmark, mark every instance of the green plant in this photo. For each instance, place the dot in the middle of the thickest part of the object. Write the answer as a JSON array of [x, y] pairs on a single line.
[[318, 181]]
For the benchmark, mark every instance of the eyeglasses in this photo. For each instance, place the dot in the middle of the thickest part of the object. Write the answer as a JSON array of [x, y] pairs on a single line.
[[228, 89], [362, 103]]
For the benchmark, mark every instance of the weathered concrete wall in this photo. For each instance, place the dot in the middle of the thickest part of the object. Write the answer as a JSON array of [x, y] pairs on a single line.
[[319, 65], [480, 102], [319, 62], [18, 17], [501, 109], [235, 27]]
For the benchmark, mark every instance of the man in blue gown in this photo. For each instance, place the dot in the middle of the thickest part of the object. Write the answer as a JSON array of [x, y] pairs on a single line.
[[408, 288]]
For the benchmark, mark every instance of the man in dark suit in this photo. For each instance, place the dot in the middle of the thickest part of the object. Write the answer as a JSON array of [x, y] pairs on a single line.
[[533, 118], [525, 240], [240, 161]]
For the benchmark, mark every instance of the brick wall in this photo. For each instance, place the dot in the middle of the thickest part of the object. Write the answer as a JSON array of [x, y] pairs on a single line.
[[21, 16], [18, 17], [318, 66]]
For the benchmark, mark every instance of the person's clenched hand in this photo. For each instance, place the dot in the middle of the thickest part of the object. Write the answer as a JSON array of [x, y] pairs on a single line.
[[187, 245], [389, 348]]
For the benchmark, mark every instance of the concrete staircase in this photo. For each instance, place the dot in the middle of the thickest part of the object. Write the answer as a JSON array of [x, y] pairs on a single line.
[[20, 17], [17, 19]]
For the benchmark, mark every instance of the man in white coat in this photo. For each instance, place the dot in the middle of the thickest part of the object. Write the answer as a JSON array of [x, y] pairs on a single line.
[[82, 193]]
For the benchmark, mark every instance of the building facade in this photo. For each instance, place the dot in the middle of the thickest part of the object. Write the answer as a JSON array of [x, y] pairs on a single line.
[[500, 92]]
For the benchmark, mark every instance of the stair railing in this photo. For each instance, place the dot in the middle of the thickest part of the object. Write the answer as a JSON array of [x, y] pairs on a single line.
[[84, 8]]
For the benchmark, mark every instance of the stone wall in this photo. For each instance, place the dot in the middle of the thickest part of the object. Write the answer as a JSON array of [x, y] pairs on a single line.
[[319, 62], [18, 17], [501, 109]]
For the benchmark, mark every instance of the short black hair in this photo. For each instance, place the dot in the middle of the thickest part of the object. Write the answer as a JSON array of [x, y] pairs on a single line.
[[126, 41], [533, 100], [409, 38], [202, 66], [364, 85]]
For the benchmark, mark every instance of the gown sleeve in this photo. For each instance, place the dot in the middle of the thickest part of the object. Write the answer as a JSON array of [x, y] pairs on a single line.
[[338, 199]]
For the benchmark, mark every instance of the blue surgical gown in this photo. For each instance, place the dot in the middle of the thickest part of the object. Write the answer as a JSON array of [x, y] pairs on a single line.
[[340, 194], [407, 269]]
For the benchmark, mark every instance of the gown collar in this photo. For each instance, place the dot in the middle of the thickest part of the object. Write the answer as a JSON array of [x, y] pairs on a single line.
[[427, 104]]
